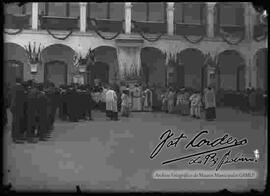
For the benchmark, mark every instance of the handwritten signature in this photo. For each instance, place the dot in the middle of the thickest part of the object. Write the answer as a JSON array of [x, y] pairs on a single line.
[[205, 156]]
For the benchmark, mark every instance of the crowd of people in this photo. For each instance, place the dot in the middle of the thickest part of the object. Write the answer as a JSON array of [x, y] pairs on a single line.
[[34, 105], [190, 102], [251, 100]]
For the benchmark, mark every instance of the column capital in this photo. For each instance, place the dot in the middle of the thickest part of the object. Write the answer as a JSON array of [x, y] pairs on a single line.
[[84, 4], [211, 4], [170, 6], [128, 5]]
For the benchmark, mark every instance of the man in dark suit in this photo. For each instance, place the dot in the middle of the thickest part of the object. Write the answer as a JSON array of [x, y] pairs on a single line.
[[72, 102], [32, 111], [89, 103], [51, 105], [18, 99], [63, 103], [42, 114]]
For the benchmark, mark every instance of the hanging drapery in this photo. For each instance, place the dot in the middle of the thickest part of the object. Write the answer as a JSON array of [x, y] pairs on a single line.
[[129, 61]]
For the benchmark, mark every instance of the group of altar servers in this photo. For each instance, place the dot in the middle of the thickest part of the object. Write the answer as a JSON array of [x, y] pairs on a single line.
[[190, 102]]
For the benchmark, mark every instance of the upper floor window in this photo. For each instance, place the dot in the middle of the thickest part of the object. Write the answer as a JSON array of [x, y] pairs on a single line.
[[15, 9], [231, 14], [189, 13], [117, 11], [64, 9], [155, 12], [74, 9], [113, 11], [139, 11]]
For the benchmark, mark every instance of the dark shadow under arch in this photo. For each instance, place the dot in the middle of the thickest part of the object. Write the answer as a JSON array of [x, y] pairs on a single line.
[[150, 57], [191, 61], [261, 63], [99, 70], [13, 69], [56, 72], [231, 64]]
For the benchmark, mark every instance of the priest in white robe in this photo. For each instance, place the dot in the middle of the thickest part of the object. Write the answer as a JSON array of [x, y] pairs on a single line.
[[137, 98], [111, 104]]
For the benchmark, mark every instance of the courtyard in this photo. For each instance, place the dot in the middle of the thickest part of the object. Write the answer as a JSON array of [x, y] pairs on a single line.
[[104, 155]]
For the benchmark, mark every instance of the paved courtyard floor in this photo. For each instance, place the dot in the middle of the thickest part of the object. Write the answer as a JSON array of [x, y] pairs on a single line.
[[115, 155]]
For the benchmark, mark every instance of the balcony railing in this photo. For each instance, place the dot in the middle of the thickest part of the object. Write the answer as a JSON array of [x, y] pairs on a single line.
[[189, 29], [59, 23], [105, 25], [150, 27], [17, 21], [232, 29]]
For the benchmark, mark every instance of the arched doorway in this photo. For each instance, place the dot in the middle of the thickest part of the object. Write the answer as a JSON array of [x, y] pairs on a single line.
[[13, 70], [261, 67], [153, 67], [100, 71], [105, 67], [58, 64], [191, 69], [56, 72], [15, 63], [231, 71]]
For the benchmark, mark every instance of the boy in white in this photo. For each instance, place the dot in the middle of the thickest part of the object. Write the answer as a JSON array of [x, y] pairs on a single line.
[[195, 106]]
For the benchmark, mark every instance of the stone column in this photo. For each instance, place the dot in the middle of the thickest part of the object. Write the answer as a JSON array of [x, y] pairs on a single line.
[[252, 18], [170, 18], [247, 20], [83, 16], [210, 19], [128, 7], [34, 16]]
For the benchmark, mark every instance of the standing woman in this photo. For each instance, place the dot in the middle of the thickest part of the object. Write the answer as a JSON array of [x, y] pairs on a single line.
[[210, 104]]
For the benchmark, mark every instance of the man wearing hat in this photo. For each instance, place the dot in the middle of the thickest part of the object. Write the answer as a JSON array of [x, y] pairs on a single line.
[[18, 99]]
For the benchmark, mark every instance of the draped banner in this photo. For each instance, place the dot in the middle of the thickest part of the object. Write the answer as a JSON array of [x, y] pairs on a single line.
[[129, 61]]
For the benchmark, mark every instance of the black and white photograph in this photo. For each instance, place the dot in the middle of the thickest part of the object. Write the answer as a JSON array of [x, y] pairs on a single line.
[[134, 97]]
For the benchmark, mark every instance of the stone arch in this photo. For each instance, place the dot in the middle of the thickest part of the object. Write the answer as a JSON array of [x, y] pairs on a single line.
[[191, 60], [106, 61], [56, 71], [153, 66], [58, 63], [231, 70], [260, 62]]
